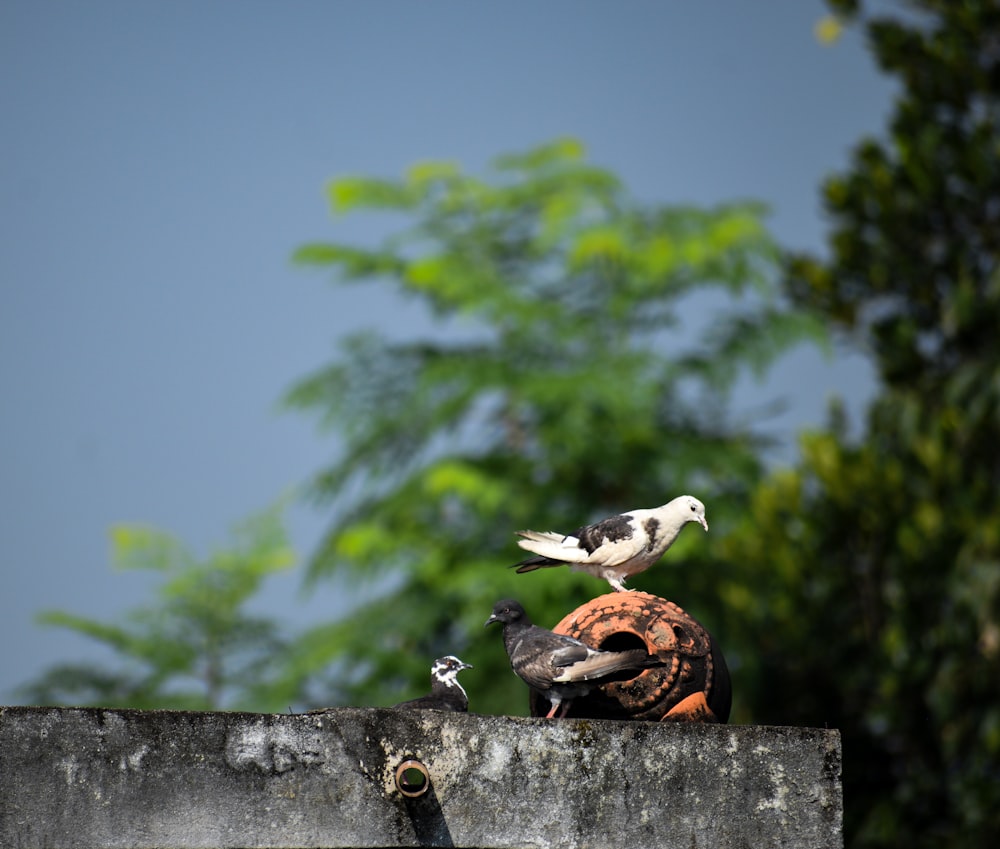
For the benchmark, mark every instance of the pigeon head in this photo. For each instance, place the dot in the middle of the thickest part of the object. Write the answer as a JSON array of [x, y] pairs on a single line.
[[507, 612], [697, 510], [445, 670]]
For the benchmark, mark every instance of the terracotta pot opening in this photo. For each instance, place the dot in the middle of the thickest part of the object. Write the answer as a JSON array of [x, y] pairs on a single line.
[[623, 641]]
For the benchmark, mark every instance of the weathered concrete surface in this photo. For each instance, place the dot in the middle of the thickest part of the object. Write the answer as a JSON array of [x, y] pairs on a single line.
[[117, 778]]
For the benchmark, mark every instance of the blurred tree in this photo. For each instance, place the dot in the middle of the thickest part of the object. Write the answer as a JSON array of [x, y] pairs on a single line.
[[196, 648], [878, 561], [581, 363]]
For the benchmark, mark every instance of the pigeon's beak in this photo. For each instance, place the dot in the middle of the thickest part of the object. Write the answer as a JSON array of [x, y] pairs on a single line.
[[704, 523], [467, 666], [491, 620]]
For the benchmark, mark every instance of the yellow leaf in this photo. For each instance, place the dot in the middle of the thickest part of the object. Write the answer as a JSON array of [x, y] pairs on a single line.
[[345, 193], [598, 244], [425, 273], [660, 256], [828, 29]]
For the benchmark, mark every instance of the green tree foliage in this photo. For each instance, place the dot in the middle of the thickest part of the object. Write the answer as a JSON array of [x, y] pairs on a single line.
[[196, 647], [879, 560], [581, 362]]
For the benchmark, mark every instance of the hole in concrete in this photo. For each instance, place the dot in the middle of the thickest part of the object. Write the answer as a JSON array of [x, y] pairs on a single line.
[[412, 778]]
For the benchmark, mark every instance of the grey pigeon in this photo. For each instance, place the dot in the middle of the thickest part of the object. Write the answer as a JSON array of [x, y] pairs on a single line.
[[557, 666], [446, 693], [615, 548]]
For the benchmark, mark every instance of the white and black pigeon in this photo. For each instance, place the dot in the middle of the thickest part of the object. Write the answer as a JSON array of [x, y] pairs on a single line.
[[557, 666], [446, 693], [615, 548]]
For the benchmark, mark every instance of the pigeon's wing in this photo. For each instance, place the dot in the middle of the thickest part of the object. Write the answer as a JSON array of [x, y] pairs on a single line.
[[610, 542], [566, 654], [600, 664], [560, 649], [538, 653], [613, 540]]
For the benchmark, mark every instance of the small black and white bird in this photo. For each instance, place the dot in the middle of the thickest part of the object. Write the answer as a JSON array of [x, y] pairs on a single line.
[[557, 666], [446, 693], [615, 548]]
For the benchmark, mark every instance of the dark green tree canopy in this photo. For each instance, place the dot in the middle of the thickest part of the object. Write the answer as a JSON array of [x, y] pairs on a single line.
[[894, 550], [916, 221]]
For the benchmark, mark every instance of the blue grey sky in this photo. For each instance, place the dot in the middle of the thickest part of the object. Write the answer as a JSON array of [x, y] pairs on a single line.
[[161, 161]]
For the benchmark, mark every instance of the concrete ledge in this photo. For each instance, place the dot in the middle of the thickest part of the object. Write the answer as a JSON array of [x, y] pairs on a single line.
[[94, 778]]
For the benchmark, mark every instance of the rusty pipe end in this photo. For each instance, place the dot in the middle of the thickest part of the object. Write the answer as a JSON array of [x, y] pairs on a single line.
[[412, 778]]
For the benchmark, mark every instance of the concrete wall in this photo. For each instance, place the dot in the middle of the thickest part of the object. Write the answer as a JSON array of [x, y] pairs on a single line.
[[109, 778]]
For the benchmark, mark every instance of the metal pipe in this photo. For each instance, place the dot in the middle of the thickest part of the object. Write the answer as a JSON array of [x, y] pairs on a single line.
[[412, 778]]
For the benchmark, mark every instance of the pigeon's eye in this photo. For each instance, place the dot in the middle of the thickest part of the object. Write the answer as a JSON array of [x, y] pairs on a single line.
[[694, 509]]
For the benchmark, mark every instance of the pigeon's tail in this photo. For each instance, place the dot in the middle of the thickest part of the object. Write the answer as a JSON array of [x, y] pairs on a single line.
[[644, 659], [610, 665], [533, 563], [552, 549]]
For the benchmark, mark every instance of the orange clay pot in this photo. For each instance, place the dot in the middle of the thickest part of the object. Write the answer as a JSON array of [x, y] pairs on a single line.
[[692, 686]]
